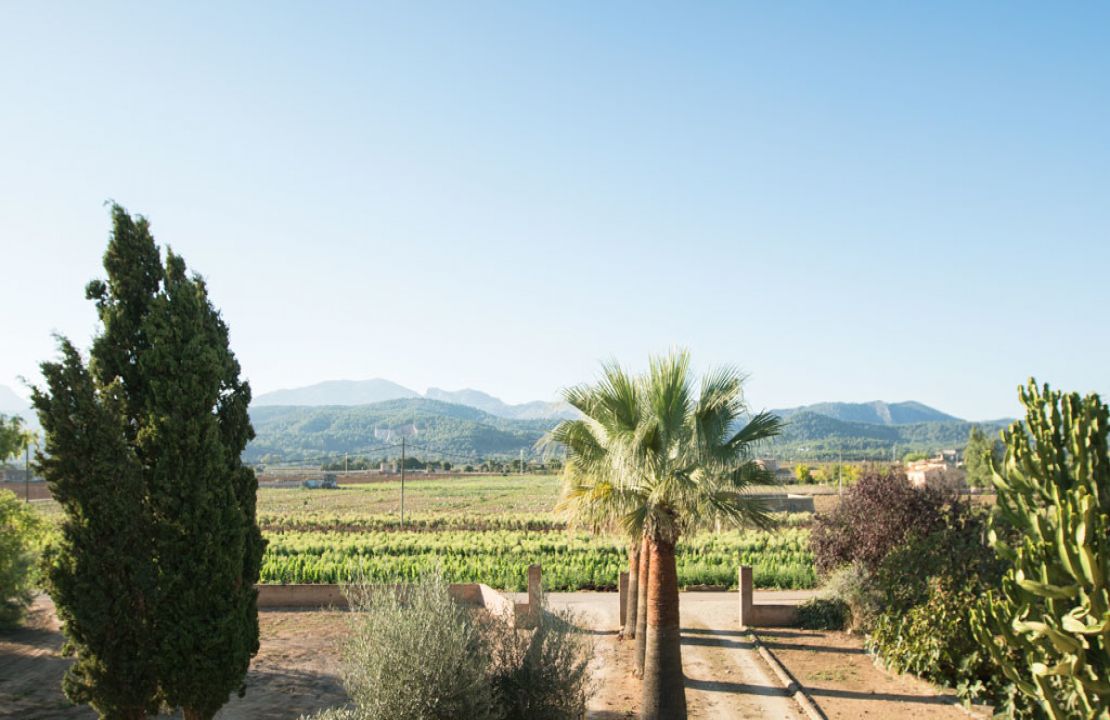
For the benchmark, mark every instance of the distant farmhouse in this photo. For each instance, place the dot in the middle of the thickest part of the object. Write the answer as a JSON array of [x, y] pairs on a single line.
[[945, 468]]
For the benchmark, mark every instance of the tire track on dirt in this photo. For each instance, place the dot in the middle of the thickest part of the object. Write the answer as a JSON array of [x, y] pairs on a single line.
[[725, 677]]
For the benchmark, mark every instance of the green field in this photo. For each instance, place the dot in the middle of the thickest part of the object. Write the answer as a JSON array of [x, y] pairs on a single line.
[[489, 529]]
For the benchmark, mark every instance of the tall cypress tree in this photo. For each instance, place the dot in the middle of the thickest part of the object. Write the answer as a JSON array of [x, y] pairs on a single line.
[[164, 385]]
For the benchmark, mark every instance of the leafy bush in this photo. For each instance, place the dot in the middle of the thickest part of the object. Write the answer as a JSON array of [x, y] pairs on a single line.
[[934, 641], [415, 654], [875, 516], [854, 586], [956, 551], [542, 674], [821, 613], [20, 530]]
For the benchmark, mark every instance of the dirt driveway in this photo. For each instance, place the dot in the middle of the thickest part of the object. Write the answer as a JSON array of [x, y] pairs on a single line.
[[297, 669]]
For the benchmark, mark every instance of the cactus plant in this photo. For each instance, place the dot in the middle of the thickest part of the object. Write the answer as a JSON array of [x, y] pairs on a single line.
[[1048, 626]]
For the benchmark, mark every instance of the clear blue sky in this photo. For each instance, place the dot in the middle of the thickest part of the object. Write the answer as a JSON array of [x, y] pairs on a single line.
[[849, 201]]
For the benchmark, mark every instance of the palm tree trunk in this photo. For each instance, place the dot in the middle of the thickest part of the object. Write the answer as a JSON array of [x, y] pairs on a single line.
[[641, 602], [664, 690], [631, 595]]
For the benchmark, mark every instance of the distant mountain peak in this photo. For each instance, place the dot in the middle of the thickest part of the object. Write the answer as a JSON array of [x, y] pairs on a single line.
[[338, 392], [12, 404], [875, 412], [376, 390]]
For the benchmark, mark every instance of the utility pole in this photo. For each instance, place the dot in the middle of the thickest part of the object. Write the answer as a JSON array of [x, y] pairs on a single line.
[[344, 463], [27, 471], [840, 475], [522, 461], [402, 482]]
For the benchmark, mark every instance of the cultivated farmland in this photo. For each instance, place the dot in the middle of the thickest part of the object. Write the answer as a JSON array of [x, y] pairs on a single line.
[[489, 529]]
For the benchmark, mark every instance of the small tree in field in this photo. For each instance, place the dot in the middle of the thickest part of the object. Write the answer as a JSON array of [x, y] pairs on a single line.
[[154, 576], [981, 452], [1049, 626]]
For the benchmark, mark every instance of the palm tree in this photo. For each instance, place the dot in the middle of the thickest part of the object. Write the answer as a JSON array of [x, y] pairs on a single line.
[[594, 493], [682, 460]]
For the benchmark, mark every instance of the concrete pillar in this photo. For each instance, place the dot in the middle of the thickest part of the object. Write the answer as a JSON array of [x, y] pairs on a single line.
[[535, 587], [528, 614], [622, 587], [746, 616]]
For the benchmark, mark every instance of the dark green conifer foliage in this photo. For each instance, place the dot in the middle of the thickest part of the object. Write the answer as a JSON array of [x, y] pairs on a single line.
[[164, 387], [100, 574]]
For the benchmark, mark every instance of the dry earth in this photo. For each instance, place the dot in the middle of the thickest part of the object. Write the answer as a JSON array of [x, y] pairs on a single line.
[[297, 668], [843, 680]]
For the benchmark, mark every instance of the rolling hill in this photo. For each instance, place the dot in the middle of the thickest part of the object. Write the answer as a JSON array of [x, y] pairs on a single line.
[[432, 429], [366, 392], [337, 392], [536, 410], [813, 436], [370, 417]]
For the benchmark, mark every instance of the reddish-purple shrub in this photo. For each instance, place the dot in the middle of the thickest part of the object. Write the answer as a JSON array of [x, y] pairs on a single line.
[[874, 516]]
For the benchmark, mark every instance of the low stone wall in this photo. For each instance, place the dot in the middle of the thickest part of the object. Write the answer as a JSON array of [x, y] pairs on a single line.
[[469, 594], [331, 596], [37, 490], [301, 596], [754, 614], [788, 503]]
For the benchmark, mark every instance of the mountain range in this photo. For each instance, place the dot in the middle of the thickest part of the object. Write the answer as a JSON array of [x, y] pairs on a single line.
[[876, 412], [12, 404], [366, 392], [430, 429], [370, 417]]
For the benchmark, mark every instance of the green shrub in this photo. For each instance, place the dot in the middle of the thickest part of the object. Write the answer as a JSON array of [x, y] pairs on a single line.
[[20, 531], [823, 614], [853, 585], [416, 654], [930, 585], [541, 674], [955, 552], [934, 641]]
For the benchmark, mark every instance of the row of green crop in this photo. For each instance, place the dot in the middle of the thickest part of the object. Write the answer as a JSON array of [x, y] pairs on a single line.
[[438, 522], [500, 558]]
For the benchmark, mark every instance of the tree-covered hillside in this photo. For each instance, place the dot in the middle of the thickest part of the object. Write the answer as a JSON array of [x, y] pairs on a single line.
[[436, 430], [872, 413], [432, 430], [808, 435]]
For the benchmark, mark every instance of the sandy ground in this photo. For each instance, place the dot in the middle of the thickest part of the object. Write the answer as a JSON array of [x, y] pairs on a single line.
[[297, 669]]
